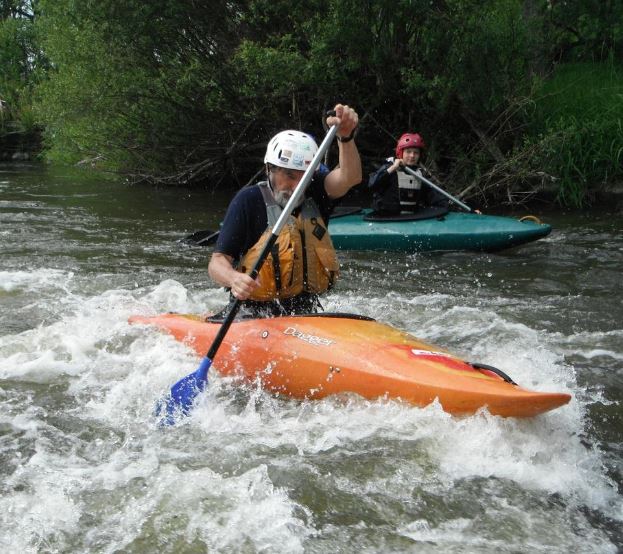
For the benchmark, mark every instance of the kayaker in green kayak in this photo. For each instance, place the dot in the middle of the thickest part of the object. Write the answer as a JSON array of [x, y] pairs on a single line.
[[303, 263], [395, 191]]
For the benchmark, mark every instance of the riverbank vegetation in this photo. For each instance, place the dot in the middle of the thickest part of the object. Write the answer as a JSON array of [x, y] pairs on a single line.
[[513, 97], [21, 66]]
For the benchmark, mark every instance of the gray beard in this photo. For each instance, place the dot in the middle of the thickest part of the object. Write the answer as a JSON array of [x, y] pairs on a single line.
[[283, 196]]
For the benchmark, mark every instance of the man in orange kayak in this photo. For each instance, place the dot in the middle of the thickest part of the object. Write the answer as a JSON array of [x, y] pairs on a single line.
[[395, 191], [303, 263]]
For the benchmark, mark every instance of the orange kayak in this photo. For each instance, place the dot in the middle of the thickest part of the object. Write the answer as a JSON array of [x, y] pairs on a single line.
[[313, 356]]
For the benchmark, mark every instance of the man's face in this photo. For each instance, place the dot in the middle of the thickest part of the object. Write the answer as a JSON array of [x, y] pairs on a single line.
[[284, 182]]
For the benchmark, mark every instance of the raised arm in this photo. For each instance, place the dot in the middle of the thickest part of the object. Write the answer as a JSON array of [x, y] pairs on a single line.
[[348, 173]]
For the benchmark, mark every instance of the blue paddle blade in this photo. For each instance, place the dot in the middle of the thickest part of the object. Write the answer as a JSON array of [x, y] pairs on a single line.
[[183, 394]]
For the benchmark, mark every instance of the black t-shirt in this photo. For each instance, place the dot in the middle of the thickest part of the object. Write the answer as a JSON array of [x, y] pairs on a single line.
[[246, 220]]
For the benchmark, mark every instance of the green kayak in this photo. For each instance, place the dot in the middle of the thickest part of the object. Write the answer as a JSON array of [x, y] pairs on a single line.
[[439, 231]]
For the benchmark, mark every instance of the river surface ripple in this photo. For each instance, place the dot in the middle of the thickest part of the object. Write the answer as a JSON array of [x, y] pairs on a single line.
[[84, 467]]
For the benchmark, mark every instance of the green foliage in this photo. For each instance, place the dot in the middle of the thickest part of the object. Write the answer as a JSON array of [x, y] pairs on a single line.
[[486, 63], [257, 68], [20, 68], [582, 30], [182, 91], [136, 86], [423, 66], [578, 123]]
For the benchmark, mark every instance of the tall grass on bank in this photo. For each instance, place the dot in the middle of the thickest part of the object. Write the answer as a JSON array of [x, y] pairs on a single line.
[[578, 124]]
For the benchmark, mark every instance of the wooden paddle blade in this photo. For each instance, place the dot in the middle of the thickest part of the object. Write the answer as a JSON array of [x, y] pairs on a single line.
[[183, 394]]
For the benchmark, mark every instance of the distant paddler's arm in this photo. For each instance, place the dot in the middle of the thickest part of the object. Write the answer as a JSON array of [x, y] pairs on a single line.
[[395, 165], [348, 173], [222, 271]]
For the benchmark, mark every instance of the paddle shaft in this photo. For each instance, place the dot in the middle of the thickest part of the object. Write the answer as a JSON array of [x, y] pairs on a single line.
[[438, 189], [298, 193]]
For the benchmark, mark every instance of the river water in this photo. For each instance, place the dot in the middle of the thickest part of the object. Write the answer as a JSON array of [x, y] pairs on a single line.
[[85, 468]]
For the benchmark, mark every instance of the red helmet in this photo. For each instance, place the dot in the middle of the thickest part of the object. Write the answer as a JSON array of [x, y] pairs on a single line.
[[409, 140]]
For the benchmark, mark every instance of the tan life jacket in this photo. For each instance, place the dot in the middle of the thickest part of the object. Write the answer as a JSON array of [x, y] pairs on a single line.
[[302, 259]]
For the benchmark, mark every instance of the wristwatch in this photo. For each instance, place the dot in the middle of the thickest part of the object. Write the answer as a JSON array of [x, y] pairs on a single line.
[[349, 137]]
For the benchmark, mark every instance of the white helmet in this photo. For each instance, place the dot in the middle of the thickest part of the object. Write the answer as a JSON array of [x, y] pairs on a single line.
[[291, 149]]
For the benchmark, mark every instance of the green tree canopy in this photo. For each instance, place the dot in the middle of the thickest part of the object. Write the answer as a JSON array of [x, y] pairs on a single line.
[[179, 91], [21, 66]]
